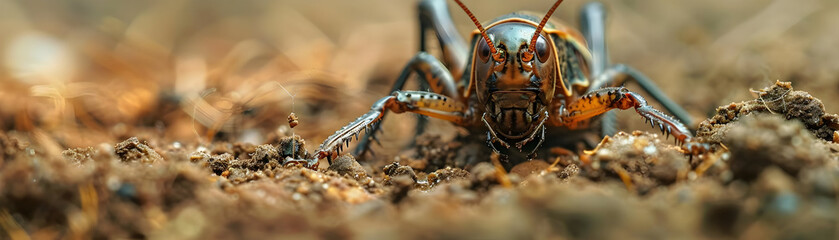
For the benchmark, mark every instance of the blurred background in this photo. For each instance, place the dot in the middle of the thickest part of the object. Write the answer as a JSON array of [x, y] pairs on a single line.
[[86, 72]]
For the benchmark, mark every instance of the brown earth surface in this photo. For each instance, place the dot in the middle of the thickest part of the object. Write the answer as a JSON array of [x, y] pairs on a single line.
[[170, 119]]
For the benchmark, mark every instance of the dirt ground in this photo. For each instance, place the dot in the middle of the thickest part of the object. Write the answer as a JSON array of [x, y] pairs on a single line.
[[169, 120]]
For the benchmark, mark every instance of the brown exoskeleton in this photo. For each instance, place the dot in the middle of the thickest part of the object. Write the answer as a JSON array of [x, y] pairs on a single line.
[[517, 77]]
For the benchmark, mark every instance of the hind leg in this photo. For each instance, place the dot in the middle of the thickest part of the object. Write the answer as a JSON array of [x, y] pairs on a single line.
[[593, 20], [435, 75]]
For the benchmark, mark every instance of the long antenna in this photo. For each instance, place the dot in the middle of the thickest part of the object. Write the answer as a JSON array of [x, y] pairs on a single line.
[[532, 47], [480, 28]]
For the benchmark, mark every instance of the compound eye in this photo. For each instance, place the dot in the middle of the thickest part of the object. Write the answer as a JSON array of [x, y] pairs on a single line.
[[542, 50], [483, 51]]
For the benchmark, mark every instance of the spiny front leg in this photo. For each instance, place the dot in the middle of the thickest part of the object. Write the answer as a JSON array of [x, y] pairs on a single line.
[[605, 99], [433, 74], [425, 103]]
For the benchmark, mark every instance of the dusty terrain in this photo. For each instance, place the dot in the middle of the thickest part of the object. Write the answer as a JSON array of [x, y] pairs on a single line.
[[168, 119]]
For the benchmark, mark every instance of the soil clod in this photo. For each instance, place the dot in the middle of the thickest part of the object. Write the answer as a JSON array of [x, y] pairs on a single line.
[[781, 99], [132, 150], [760, 141]]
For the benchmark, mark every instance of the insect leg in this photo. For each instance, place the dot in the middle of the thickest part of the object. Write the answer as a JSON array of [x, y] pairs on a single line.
[[605, 99], [592, 21], [593, 27], [425, 103], [433, 74], [434, 15], [619, 74]]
